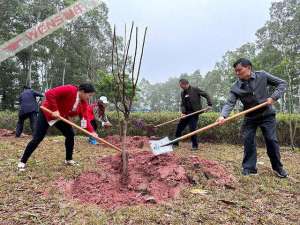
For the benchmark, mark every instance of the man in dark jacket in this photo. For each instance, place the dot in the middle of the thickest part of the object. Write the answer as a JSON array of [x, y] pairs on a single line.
[[190, 102], [251, 89], [28, 109]]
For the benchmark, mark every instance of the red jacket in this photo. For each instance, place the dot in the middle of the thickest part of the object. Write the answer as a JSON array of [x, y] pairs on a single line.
[[100, 111], [63, 98], [90, 111]]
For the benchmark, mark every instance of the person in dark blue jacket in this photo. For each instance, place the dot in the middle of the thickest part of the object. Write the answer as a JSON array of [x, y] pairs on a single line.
[[28, 109]]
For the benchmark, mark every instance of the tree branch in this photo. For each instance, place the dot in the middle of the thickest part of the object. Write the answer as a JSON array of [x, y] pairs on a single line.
[[141, 57]]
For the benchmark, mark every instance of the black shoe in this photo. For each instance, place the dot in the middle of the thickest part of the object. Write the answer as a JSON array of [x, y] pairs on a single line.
[[280, 172], [248, 172]]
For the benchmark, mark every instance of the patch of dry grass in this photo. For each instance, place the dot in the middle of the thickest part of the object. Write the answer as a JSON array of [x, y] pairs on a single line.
[[31, 198]]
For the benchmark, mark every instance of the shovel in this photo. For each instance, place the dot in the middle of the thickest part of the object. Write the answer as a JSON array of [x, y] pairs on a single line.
[[83, 130], [151, 129], [211, 126], [182, 117], [160, 146]]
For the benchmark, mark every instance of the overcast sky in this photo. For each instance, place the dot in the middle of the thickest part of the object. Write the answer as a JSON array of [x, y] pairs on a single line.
[[185, 35]]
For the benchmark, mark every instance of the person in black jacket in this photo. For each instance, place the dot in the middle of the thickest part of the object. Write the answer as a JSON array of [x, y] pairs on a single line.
[[190, 102], [28, 109]]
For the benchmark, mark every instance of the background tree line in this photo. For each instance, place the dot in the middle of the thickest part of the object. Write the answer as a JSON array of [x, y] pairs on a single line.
[[81, 51], [276, 50], [73, 54]]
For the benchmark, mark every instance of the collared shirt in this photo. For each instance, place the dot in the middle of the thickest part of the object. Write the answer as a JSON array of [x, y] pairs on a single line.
[[258, 84], [52, 122]]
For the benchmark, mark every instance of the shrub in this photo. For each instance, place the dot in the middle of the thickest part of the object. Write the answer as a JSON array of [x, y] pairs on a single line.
[[229, 133]]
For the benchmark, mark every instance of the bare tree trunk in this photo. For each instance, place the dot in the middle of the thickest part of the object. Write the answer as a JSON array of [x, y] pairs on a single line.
[[64, 72], [125, 99], [291, 133], [299, 97], [120, 125], [290, 108], [295, 130], [47, 68], [125, 175], [29, 66], [29, 74]]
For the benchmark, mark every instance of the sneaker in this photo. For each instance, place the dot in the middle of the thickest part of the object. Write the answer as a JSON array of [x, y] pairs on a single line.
[[21, 166], [248, 172], [280, 172], [71, 163], [94, 142]]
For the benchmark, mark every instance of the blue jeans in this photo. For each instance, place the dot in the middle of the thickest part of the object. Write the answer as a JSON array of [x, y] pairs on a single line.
[[267, 125], [192, 122]]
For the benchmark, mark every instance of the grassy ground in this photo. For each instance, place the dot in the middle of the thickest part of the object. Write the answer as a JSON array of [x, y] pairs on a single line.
[[263, 199]]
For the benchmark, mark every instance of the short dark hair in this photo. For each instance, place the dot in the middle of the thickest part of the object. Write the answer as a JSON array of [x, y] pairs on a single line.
[[26, 87], [243, 62], [184, 81], [87, 88]]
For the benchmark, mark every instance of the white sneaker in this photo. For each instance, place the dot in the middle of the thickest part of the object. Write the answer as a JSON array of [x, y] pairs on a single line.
[[21, 166], [71, 163]]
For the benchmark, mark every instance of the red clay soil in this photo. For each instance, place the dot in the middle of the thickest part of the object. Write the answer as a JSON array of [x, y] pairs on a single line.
[[152, 179], [215, 173], [135, 142]]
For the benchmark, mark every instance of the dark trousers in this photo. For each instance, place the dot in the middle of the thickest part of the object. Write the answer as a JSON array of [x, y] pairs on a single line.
[[40, 132], [94, 125], [32, 118], [267, 125], [192, 122]]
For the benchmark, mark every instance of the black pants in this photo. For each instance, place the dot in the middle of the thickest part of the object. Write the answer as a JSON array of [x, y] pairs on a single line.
[[32, 118], [40, 132], [94, 125], [192, 122], [267, 125]]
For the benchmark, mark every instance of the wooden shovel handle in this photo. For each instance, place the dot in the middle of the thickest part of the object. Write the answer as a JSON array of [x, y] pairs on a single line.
[[82, 130], [182, 117], [217, 123]]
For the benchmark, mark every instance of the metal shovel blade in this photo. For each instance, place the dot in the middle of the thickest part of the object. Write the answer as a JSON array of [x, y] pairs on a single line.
[[156, 146]]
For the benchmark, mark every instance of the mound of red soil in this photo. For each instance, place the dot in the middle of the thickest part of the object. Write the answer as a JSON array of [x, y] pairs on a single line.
[[152, 179], [135, 142], [213, 171]]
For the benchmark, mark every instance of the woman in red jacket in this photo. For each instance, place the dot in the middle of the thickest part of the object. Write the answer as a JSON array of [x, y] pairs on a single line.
[[66, 101]]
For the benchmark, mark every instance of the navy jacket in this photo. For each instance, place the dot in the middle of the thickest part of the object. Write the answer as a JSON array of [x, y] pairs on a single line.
[[28, 102]]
